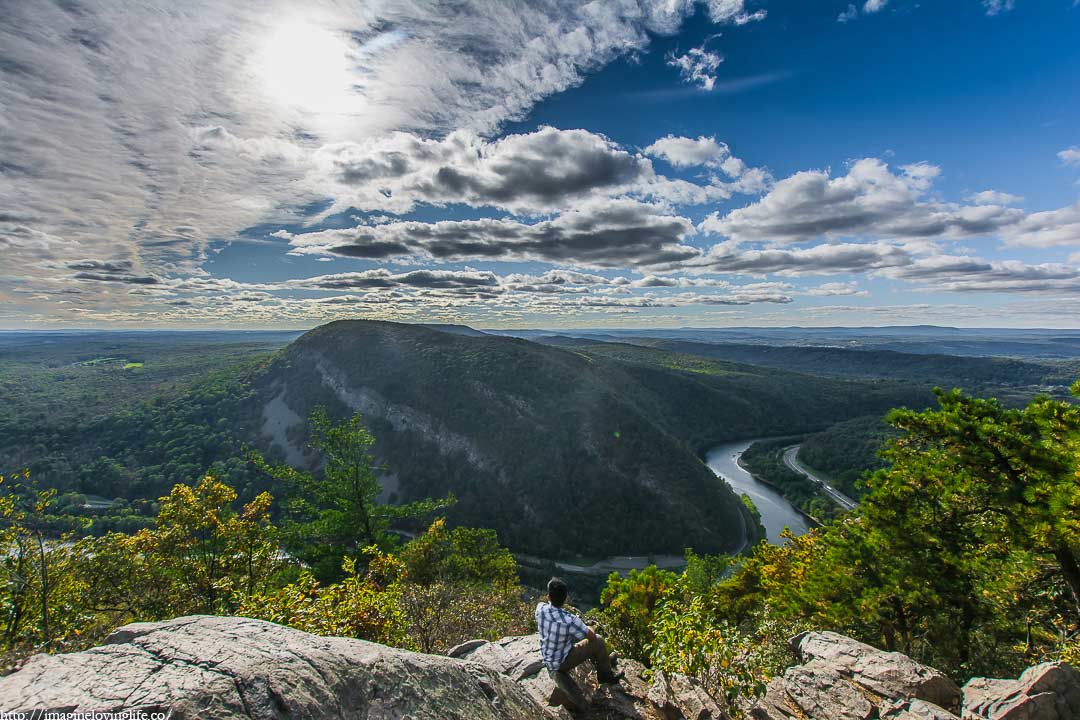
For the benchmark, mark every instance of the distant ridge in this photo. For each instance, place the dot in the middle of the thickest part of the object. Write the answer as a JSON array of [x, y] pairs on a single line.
[[453, 329]]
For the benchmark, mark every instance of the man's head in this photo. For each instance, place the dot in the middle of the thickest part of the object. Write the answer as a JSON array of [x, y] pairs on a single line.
[[557, 591]]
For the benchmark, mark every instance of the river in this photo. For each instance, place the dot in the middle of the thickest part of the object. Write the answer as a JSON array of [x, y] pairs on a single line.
[[776, 512]]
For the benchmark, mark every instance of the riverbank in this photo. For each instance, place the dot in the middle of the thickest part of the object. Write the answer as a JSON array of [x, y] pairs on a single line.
[[775, 510], [816, 522]]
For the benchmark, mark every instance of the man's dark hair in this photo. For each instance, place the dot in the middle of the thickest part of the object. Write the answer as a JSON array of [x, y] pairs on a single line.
[[557, 591]]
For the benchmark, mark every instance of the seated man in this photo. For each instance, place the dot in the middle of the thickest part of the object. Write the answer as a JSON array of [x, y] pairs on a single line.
[[566, 641]]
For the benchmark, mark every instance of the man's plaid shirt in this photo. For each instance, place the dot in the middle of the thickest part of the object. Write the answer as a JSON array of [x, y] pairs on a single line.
[[559, 630]]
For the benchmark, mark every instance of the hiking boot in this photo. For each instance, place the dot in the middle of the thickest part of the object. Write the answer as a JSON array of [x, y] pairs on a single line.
[[609, 678], [567, 693]]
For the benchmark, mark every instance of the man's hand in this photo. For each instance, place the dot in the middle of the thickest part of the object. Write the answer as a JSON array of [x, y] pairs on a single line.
[[590, 634]]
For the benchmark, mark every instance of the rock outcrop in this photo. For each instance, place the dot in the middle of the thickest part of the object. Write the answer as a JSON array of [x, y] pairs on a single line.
[[662, 697], [227, 667], [239, 668], [843, 679], [1050, 691]]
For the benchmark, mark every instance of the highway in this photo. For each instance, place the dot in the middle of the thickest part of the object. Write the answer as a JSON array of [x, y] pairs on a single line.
[[838, 497]]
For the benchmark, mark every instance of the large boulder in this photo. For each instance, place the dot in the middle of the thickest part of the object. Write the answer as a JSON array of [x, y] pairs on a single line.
[[1050, 691], [637, 697], [843, 679], [228, 667]]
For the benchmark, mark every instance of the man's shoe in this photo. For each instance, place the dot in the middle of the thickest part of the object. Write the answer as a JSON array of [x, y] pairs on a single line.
[[567, 693], [609, 678]]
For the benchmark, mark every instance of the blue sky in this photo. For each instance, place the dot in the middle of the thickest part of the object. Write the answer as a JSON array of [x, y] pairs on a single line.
[[622, 164]]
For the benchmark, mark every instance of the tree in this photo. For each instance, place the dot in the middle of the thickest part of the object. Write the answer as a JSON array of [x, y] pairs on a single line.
[[629, 608], [27, 561], [207, 555], [962, 550], [1010, 475], [336, 514], [443, 588], [457, 585]]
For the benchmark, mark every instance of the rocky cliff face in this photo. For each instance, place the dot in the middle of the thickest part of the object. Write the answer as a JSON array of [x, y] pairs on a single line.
[[225, 668], [637, 697], [222, 667], [841, 679]]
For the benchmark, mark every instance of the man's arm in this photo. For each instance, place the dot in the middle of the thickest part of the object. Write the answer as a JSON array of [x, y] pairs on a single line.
[[585, 630]]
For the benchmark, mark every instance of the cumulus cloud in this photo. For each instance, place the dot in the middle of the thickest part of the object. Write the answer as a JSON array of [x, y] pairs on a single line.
[[146, 129], [972, 274], [731, 11], [837, 289], [825, 259], [117, 271], [870, 200], [1047, 228], [683, 152], [531, 172], [382, 278], [993, 197], [528, 173], [616, 233], [848, 15], [873, 6]]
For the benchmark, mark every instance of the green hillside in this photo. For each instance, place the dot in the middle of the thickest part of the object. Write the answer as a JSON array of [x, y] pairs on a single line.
[[588, 450], [847, 450], [556, 450], [969, 373]]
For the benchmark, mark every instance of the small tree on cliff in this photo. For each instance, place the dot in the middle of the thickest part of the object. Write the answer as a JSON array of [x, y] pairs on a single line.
[[337, 515]]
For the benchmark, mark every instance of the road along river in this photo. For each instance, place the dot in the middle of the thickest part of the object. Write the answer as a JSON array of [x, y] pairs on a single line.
[[776, 512], [792, 461]]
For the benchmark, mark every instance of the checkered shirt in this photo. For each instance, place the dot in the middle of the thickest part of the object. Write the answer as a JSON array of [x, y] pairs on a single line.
[[559, 630]]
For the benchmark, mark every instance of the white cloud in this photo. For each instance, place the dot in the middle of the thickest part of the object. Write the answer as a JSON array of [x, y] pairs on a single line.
[[728, 11], [609, 233], [697, 66], [837, 289], [684, 152], [529, 173], [870, 200], [993, 7], [826, 259], [1047, 228], [951, 273], [1070, 156], [142, 130], [994, 197], [852, 12]]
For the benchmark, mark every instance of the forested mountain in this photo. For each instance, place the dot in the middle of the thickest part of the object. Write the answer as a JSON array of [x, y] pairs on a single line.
[[560, 450], [590, 450], [847, 450], [968, 373]]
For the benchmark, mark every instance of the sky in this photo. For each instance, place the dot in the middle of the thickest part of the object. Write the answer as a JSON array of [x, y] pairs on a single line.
[[617, 163]]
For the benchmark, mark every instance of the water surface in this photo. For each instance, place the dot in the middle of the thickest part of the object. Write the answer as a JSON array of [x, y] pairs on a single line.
[[776, 512]]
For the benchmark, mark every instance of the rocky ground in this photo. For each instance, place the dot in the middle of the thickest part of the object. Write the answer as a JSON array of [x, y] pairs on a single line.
[[223, 667]]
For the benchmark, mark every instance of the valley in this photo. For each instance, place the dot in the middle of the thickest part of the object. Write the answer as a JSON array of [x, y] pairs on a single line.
[[528, 435]]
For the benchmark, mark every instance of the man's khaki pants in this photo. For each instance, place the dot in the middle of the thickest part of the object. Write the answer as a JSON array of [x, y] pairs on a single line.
[[595, 650]]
